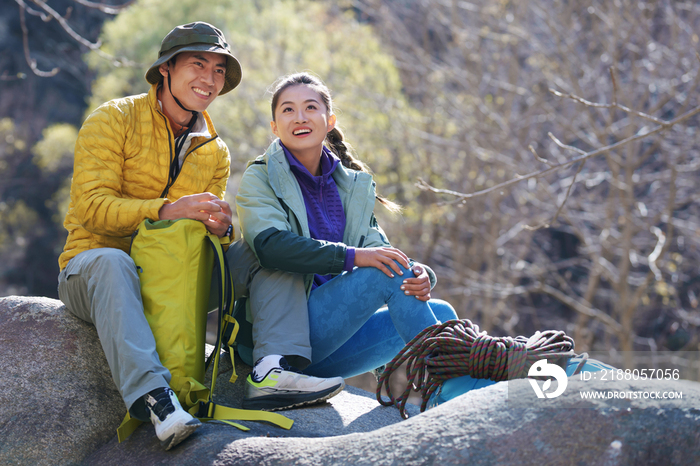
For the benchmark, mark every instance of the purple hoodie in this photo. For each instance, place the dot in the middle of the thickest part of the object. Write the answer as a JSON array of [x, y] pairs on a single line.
[[324, 208]]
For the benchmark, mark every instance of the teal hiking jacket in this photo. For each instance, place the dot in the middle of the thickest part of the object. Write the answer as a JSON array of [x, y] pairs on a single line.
[[273, 220]]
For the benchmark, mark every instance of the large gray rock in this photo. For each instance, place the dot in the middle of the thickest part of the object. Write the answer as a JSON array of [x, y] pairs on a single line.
[[501, 424], [58, 400], [60, 405]]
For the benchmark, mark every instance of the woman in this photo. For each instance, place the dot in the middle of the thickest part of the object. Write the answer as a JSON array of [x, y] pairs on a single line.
[[306, 207]]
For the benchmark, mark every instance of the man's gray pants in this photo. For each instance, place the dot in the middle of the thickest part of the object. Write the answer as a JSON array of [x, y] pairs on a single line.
[[101, 286]]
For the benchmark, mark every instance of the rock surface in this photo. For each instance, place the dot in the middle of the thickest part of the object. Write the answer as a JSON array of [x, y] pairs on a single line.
[[61, 407], [58, 400]]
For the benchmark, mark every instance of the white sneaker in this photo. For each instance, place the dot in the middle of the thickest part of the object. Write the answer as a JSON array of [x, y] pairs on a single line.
[[173, 424], [282, 388]]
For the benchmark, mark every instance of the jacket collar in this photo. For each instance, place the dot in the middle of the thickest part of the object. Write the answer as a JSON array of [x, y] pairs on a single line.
[[329, 162], [278, 167], [155, 107], [356, 191]]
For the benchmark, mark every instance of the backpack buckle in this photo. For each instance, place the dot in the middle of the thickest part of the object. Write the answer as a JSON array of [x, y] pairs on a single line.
[[204, 408]]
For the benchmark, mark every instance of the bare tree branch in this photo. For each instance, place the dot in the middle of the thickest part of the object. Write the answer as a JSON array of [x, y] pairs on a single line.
[[64, 24], [565, 146], [656, 253], [25, 44], [49, 13], [663, 125], [582, 308], [614, 104], [6, 77], [537, 157], [44, 17], [563, 202], [104, 8]]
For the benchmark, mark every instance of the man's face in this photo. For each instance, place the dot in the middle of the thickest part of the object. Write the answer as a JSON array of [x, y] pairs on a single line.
[[196, 78]]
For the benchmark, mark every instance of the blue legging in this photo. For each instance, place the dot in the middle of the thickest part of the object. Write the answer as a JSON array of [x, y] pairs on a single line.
[[349, 332]]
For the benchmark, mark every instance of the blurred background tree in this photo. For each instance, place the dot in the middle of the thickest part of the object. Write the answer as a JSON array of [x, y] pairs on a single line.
[[605, 249], [466, 96], [43, 81]]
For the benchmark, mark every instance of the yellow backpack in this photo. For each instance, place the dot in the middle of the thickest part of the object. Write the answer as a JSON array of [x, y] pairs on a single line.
[[175, 260]]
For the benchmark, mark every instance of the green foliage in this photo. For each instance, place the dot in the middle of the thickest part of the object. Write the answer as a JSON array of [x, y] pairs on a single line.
[[271, 39], [55, 149], [18, 220], [53, 154], [10, 142]]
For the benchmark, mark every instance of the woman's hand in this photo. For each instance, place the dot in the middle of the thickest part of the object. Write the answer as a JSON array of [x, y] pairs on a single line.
[[418, 286], [214, 213], [385, 259]]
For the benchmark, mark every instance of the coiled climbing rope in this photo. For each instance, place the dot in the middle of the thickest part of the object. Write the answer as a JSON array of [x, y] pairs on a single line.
[[456, 348]]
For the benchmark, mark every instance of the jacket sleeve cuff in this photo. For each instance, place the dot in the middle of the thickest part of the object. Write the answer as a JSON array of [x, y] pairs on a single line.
[[431, 276], [349, 259]]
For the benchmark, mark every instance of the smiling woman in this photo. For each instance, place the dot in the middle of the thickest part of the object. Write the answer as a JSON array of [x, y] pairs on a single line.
[[306, 207], [301, 120]]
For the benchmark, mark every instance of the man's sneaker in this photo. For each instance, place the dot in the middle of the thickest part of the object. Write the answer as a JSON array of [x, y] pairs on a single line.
[[282, 387], [173, 424]]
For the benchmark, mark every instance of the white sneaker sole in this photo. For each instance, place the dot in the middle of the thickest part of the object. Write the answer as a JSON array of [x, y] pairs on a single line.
[[278, 402], [182, 432]]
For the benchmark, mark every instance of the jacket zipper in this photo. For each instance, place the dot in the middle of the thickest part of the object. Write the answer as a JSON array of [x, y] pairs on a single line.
[[323, 204], [363, 210], [173, 158], [170, 166]]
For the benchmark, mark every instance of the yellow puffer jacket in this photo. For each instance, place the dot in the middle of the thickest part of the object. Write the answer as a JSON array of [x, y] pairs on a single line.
[[120, 173]]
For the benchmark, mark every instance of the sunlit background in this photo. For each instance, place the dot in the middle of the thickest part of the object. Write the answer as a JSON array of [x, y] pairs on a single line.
[[455, 93]]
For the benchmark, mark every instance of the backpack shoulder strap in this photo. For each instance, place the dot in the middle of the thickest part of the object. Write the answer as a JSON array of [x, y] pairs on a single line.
[[207, 411]]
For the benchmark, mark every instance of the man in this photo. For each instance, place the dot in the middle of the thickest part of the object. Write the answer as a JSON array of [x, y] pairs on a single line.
[[157, 156]]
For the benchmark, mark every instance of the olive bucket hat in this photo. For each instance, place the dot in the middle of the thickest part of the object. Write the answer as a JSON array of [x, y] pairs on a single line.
[[196, 37]]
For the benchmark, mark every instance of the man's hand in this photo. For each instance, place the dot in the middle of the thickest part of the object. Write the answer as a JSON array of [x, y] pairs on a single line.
[[214, 213], [381, 258], [218, 222], [418, 286]]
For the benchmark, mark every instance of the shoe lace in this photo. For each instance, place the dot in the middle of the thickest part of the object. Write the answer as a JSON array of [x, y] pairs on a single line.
[[257, 376], [161, 404]]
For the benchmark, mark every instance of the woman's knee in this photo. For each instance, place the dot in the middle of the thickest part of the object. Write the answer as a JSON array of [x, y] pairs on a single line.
[[375, 275], [443, 310]]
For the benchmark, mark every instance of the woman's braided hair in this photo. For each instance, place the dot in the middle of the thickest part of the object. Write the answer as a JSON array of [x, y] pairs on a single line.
[[335, 138]]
